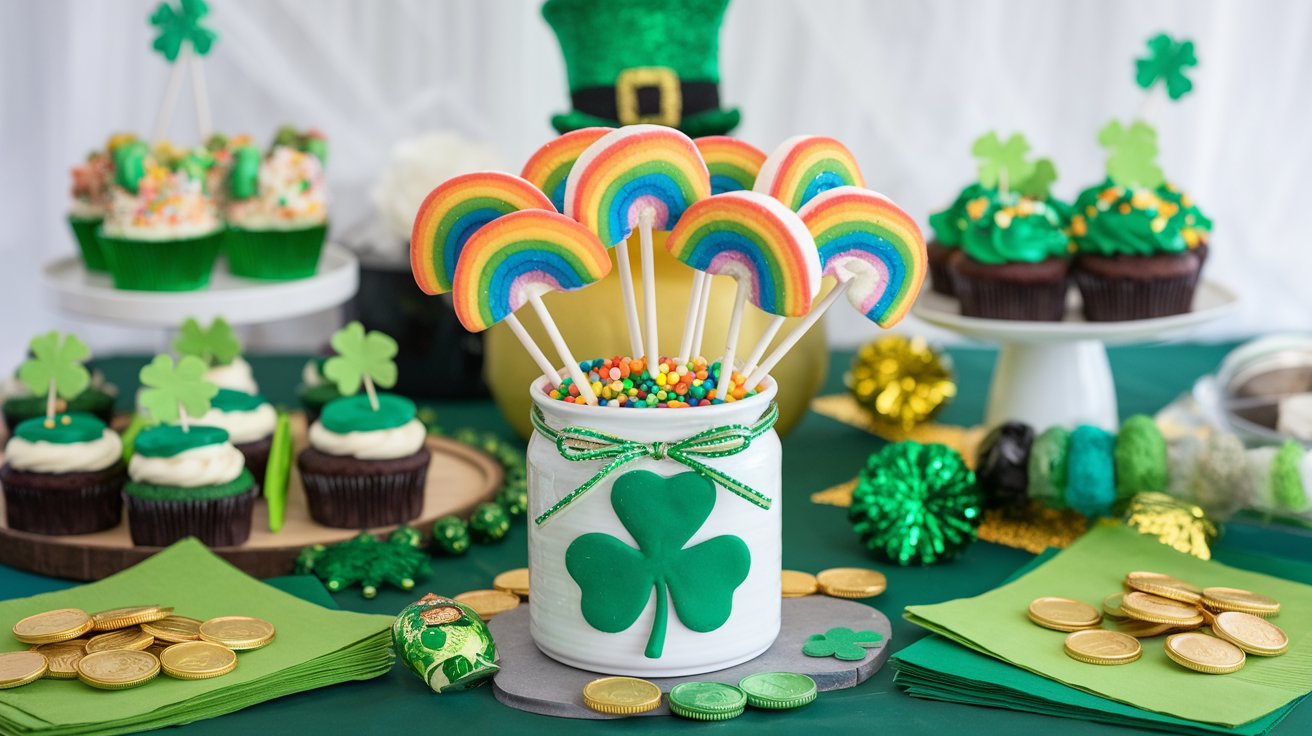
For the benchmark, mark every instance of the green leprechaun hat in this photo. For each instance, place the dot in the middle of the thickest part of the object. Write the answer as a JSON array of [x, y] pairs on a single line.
[[642, 61]]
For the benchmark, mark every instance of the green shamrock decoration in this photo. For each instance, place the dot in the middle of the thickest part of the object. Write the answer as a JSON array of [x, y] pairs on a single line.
[[661, 514], [362, 359], [1131, 154], [842, 643], [1002, 163], [399, 561], [173, 393], [1038, 184], [182, 25], [55, 368], [1165, 63], [215, 345]]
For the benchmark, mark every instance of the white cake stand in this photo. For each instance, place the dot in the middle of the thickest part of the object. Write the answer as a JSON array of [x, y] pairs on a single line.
[[1056, 373], [75, 291]]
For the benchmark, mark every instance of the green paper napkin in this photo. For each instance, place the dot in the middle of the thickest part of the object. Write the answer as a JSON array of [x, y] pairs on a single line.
[[315, 647], [995, 624]]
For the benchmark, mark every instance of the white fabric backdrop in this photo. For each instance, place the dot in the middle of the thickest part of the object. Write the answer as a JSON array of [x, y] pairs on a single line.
[[907, 85]]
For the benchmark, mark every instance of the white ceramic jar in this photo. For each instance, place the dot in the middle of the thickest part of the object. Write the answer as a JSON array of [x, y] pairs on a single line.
[[676, 594]]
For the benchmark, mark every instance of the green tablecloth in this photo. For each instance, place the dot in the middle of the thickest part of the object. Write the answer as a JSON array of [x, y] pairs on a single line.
[[820, 453]]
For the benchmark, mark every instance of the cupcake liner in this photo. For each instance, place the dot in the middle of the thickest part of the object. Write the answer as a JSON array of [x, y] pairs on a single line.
[[1114, 299], [369, 497], [256, 453], [991, 298], [218, 522], [274, 255], [84, 231], [63, 503], [161, 265], [940, 276]]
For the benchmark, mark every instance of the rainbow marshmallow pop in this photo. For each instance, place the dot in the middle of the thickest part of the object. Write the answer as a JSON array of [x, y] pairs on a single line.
[[764, 246], [804, 166], [642, 176], [872, 249], [517, 258], [548, 168]]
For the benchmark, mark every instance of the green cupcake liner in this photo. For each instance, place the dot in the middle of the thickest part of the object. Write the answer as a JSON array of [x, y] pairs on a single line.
[[85, 232], [183, 264], [274, 255]]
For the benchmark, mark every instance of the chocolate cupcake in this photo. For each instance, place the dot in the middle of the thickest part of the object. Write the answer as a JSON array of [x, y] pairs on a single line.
[[188, 482], [366, 466], [249, 421], [949, 228], [63, 475]]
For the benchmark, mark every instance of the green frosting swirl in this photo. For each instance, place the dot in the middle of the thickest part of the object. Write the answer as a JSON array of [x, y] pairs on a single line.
[[354, 414], [949, 225], [230, 400], [1014, 229], [1111, 220], [169, 440], [152, 492], [64, 429]]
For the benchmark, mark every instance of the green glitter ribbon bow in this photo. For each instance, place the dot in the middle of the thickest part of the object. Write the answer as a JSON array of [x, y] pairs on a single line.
[[580, 444]]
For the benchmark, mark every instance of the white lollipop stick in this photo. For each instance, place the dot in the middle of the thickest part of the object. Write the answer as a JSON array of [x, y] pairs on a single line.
[[731, 342], [651, 352], [571, 365], [165, 114], [703, 303], [755, 358], [630, 301], [807, 322], [690, 322], [534, 352], [203, 122]]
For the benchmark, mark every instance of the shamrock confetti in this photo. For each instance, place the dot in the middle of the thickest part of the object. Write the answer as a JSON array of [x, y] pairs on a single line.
[[366, 560], [174, 393], [362, 359], [661, 514], [842, 643], [1131, 154], [55, 368], [182, 25], [1165, 63], [1002, 163], [216, 344], [1038, 184]]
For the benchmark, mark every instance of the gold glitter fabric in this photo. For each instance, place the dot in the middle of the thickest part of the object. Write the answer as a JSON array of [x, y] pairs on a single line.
[[843, 408], [1034, 528]]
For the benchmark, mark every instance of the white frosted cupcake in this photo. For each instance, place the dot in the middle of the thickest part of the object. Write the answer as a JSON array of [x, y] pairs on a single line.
[[249, 421], [63, 476]]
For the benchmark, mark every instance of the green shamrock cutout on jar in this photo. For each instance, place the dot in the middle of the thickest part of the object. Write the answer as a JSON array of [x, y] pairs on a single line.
[[1165, 63], [662, 514], [842, 643]]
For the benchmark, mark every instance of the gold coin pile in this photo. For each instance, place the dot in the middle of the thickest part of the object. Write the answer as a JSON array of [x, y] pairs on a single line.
[[1152, 604], [128, 647]]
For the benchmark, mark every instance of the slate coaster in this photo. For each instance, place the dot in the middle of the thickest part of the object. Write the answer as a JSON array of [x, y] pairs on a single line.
[[531, 681]]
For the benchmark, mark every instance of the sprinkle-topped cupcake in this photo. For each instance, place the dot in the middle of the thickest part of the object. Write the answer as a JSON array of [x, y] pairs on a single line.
[[949, 226], [90, 193]]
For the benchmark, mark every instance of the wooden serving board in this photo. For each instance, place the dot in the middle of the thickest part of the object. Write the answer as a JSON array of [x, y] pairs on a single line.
[[459, 478]]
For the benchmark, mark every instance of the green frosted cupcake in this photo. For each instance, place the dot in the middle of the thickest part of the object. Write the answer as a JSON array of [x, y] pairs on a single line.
[[949, 226]]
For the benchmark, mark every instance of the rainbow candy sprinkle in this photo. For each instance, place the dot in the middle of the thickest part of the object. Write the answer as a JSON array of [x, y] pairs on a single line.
[[627, 382]]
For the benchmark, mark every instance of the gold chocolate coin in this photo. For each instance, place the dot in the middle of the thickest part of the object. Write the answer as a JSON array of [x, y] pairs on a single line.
[[1098, 646], [121, 618], [239, 633], [851, 582], [621, 695], [488, 603], [1204, 653], [513, 581], [1166, 587], [197, 660], [173, 629], [1253, 634], [1111, 606], [1145, 607], [20, 668], [133, 638], [62, 658], [53, 626], [1063, 614], [1235, 599], [117, 669], [796, 584], [1143, 629]]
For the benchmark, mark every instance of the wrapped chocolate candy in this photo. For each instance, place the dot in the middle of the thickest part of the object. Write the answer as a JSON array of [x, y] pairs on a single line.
[[445, 643]]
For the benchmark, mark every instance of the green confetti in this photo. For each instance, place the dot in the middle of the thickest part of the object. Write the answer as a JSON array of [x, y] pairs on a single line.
[[1165, 63], [278, 472], [842, 643], [1131, 154]]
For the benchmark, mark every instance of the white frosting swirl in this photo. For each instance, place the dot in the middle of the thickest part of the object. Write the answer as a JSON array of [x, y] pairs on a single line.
[[378, 444], [243, 426], [210, 465], [236, 375], [64, 457]]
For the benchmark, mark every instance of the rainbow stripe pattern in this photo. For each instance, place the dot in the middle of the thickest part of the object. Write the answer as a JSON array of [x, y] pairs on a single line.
[[867, 240], [755, 240], [453, 212], [518, 253], [629, 170], [733, 163], [548, 168], [804, 166]]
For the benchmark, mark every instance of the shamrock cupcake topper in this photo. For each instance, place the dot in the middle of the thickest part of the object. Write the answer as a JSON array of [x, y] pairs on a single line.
[[175, 393], [55, 369], [1131, 154], [1165, 64], [363, 359], [214, 345], [182, 40], [1005, 164]]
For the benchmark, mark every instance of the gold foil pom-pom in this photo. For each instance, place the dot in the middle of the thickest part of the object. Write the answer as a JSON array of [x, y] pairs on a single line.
[[1178, 524], [901, 382]]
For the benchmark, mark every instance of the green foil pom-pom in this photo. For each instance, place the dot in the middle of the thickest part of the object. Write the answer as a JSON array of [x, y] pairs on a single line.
[[514, 498], [488, 523], [916, 504], [451, 536]]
